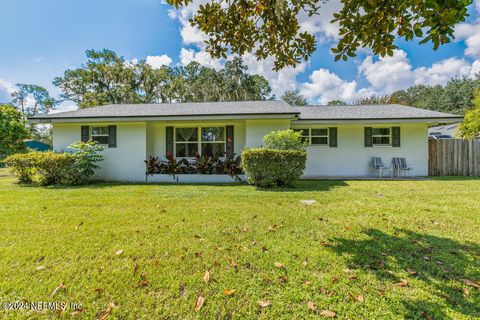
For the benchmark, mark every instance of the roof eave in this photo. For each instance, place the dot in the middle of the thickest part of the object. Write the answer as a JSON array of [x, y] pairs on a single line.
[[382, 120], [237, 116]]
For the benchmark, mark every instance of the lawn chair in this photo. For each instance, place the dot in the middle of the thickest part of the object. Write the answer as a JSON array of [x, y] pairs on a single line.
[[377, 164], [400, 164]]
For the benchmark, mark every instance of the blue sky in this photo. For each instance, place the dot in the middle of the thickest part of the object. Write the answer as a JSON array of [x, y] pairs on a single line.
[[41, 39]]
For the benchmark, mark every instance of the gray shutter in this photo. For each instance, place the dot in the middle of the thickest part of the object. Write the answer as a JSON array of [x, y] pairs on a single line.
[[85, 133], [332, 137], [112, 136], [169, 140], [396, 137], [368, 137], [230, 141]]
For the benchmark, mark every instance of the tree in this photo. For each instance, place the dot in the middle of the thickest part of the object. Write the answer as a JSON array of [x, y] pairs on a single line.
[[272, 28], [470, 128], [294, 98], [336, 103], [107, 78], [12, 130]]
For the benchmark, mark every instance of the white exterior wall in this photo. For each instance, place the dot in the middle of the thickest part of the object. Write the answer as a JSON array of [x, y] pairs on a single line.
[[137, 140], [352, 159], [123, 163], [257, 129]]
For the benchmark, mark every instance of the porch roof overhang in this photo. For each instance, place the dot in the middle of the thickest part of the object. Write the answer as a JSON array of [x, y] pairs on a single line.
[[377, 120]]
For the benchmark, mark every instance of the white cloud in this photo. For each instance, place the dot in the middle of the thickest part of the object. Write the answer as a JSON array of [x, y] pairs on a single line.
[[156, 62], [470, 33], [6, 90], [202, 57], [388, 73], [441, 72], [319, 24], [325, 86]]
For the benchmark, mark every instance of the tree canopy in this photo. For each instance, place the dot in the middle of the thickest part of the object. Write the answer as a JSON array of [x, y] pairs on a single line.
[[12, 130], [272, 28], [107, 78], [294, 98], [470, 128]]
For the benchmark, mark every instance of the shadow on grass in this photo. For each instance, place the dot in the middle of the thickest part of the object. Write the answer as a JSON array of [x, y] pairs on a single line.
[[302, 186], [309, 185], [441, 263]]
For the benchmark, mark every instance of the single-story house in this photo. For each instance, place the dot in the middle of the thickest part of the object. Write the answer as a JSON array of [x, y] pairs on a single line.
[[342, 139]]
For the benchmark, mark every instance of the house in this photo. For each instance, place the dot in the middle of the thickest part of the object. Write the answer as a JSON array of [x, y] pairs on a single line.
[[342, 139]]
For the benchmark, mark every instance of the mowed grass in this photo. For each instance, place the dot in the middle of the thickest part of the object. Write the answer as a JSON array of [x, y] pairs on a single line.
[[365, 250]]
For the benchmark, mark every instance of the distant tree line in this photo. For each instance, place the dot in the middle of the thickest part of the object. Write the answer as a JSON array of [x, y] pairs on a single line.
[[107, 78], [454, 97]]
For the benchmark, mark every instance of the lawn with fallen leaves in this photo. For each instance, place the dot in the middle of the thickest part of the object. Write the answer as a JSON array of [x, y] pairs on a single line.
[[361, 250]]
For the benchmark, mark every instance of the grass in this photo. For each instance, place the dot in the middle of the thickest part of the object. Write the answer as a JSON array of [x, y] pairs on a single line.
[[362, 239]]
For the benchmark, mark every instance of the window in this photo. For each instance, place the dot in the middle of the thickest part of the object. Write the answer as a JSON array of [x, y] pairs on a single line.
[[314, 137], [210, 141], [100, 135], [381, 136]]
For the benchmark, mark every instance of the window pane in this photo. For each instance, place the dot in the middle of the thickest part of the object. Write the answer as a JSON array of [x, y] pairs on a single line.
[[381, 140], [99, 130], [100, 139], [186, 134], [213, 149], [304, 132], [319, 132], [319, 140], [213, 134], [186, 149], [381, 131]]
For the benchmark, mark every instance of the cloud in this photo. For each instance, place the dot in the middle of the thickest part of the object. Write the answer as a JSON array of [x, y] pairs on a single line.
[[6, 90], [202, 57], [156, 62], [389, 74], [470, 33], [319, 24], [325, 86]]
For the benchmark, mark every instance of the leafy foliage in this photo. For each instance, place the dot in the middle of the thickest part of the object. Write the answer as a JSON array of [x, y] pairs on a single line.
[[50, 168], [294, 98], [454, 97], [266, 168], [284, 140], [336, 103], [12, 131], [107, 78], [470, 128], [272, 28], [201, 165]]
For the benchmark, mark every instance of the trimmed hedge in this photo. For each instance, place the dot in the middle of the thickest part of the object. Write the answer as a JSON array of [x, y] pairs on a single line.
[[267, 168], [49, 168]]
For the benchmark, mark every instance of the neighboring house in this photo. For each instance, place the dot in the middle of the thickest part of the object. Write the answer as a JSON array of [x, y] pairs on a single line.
[[37, 145], [444, 130], [342, 139]]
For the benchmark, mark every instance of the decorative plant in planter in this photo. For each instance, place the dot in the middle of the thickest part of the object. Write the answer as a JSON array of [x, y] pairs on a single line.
[[201, 165]]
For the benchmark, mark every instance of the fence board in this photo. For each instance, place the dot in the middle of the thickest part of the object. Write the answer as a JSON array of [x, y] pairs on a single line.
[[456, 157]]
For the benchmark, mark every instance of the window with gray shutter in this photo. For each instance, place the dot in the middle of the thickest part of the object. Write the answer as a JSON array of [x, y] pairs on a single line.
[[368, 137], [112, 136], [169, 140], [332, 134], [396, 137], [85, 133], [230, 140]]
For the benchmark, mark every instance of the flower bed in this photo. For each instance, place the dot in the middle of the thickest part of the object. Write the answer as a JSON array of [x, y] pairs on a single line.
[[200, 169]]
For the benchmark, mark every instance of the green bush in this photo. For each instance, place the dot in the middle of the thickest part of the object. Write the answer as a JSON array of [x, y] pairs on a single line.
[[267, 167], [49, 168], [284, 140], [23, 165]]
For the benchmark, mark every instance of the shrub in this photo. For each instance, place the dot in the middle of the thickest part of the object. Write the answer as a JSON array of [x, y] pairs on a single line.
[[50, 168], [284, 140], [266, 167], [53, 168], [23, 165]]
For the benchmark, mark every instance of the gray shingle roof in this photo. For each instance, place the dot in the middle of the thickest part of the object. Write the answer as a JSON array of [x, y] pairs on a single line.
[[278, 107], [365, 112], [178, 109]]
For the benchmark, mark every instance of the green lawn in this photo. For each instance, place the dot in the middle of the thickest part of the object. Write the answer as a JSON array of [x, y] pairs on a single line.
[[403, 247]]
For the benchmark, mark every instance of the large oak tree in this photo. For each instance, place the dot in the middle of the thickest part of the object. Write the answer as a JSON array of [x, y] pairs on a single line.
[[271, 27]]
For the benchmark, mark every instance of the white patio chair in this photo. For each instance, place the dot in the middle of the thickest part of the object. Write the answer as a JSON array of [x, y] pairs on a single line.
[[400, 164], [377, 164]]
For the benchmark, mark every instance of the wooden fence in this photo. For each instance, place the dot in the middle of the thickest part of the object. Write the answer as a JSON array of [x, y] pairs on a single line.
[[454, 157]]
